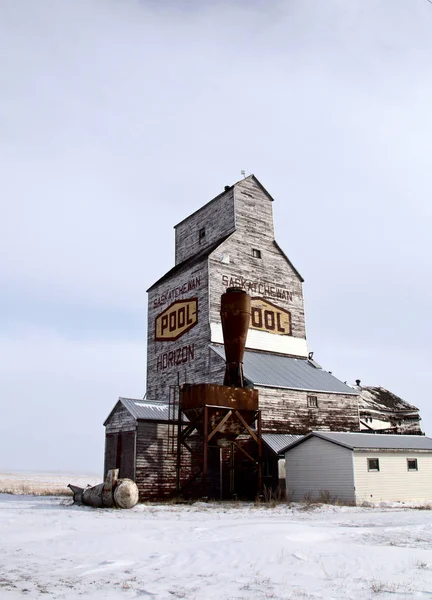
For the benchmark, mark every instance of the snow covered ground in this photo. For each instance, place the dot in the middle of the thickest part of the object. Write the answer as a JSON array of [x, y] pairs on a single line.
[[49, 548]]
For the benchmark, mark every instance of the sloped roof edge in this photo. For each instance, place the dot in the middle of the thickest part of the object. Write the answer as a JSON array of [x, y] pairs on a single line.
[[392, 441], [190, 262], [288, 261], [230, 187]]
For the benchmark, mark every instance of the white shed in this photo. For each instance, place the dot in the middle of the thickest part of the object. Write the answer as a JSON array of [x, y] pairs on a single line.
[[359, 467]]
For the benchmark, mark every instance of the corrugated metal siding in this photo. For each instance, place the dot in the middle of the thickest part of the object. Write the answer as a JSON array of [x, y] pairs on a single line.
[[285, 372], [393, 482], [373, 440], [279, 441], [317, 465]]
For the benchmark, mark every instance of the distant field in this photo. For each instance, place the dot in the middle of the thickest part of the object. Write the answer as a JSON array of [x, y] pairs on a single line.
[[43, 484]]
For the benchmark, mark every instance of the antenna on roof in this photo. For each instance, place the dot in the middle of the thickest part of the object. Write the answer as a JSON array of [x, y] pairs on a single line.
[[243, 172]]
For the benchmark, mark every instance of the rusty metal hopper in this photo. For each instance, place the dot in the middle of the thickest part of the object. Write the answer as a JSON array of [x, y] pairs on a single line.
[[235, 317], [219, 398]]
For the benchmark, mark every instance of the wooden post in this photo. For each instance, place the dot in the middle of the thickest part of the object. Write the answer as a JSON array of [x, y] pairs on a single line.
[[232, 483], [205, 451], [260, 485], [178, 460]]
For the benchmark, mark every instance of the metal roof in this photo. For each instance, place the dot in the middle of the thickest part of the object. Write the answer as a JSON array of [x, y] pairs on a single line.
[[147, 411], [279, 441], [275, 370], [359, 441]]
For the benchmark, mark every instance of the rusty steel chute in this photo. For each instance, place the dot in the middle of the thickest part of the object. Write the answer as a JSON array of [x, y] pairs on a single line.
[[222, 421]]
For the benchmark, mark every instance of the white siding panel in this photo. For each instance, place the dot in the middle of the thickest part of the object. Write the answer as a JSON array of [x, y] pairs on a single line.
[[262, 340], [393, 482], [317, 465]]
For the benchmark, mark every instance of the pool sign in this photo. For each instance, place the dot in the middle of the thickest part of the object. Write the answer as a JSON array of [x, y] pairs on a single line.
[[265, 316], [178, 318]]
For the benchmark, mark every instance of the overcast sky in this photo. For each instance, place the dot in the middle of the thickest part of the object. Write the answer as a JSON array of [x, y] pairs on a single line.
[[118, 118]]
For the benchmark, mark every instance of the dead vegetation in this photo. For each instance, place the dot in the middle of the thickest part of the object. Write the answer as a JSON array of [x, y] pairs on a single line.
[[33, 490]]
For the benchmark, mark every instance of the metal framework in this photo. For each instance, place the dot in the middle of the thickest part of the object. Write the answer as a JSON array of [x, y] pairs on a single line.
[[209, 424]]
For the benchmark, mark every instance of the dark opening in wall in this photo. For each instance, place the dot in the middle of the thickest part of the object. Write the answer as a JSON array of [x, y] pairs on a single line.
[[312, 402]]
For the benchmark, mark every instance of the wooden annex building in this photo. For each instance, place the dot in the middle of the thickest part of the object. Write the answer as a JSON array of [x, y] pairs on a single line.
[[227, 243]]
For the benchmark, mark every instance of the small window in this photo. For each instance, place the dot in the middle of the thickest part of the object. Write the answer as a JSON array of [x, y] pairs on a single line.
[[312, 402], [201, 234], [412, 464], [256, 253], [373, 464]]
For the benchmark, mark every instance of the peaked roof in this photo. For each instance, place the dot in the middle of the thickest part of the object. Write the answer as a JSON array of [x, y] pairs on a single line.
[[275, 370], [143, 410], [368, 441], [227, 189], [279, 441]]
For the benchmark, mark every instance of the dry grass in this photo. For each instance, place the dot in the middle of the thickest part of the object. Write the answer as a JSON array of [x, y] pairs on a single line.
[[31, 490], [42, 484]]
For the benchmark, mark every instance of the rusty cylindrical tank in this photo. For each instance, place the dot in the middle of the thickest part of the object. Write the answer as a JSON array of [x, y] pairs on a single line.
[[235, 317]]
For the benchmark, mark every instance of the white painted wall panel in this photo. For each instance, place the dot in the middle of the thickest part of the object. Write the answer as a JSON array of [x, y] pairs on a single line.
[[262, 340], [317, 465], [393, 482]]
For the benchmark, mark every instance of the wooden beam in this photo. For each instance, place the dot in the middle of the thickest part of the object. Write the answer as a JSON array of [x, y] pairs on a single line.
[[220, 424], [244, 452], [191, 426], [252, 433], [196, 456]]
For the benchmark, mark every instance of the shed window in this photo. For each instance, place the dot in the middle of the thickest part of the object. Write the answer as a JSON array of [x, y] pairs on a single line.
[[412, 464], [312, 402], [373, 464], [201, 234], [256, 253]]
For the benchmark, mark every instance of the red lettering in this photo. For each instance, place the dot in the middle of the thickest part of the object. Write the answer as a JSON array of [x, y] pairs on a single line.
[[184, 354]]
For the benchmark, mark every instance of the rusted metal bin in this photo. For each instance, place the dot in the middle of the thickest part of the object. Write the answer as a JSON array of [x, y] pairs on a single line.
[[194, 397]]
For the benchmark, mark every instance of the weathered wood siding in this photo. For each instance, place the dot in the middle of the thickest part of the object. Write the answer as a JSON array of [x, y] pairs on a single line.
[[270, 277], [317, 466], [120, 442], [393, 482], [155, 473], [120, 453], [287, 411], [245, 211], [216, 217], [186, 358], [402, 424], [120, 420]]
